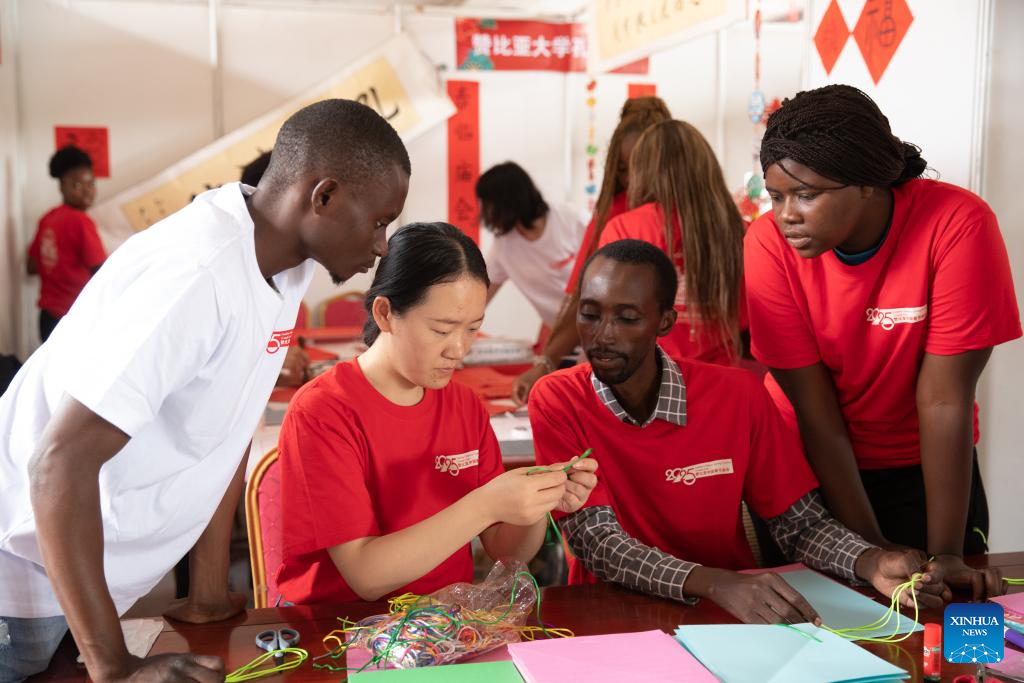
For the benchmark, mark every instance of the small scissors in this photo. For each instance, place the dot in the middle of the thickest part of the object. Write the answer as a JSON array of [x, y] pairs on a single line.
[[279, 639]]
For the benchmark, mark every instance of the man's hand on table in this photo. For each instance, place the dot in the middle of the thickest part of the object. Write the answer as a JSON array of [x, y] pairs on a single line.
[[193, 612], [752, 598], [887, 569], [169, 668], [981, 583]]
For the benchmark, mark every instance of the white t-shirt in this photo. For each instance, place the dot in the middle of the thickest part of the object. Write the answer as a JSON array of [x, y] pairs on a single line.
[[540, 268], [177, 341]]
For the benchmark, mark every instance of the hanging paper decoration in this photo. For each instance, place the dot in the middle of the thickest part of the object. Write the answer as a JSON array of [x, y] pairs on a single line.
[[591, 186], [751, 198], [464, 157], [93, 140], [831, 36], [755, 105], [879, 32]]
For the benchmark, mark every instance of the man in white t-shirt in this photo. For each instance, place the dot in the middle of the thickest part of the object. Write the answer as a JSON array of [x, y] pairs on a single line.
[[122, 439], [535, 243]]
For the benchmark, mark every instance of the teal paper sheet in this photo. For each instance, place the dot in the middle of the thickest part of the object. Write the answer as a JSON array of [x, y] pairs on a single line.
[[750, 653], [841, 607]]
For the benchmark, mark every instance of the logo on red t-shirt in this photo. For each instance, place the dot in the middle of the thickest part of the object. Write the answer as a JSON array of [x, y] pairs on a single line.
[[453, 464], [690, 475], [279, 340], [48, 251], [888, 318]]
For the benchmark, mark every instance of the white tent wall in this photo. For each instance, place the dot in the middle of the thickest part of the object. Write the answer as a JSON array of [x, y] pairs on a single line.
[[1001, 393], [12, 264], [140, 69]]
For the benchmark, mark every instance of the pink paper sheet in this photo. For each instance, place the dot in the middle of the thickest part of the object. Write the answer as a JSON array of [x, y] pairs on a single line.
[[1012, 664], [649, 656], [1013, 606]]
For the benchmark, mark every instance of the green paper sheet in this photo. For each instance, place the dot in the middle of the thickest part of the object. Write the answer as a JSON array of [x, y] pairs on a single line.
[[750, 653], [491, 672], [842, 607]]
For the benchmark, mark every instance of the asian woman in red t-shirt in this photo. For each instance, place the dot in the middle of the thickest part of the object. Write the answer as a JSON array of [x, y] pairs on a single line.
[[389, 469], [637, 115], [681, 205], [875, 298]]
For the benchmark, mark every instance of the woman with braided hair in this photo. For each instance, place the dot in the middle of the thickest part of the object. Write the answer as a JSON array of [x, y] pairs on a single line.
[[875, 298]]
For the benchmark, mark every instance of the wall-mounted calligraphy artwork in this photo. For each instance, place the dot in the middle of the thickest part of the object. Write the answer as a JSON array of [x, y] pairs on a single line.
[[623, 31]]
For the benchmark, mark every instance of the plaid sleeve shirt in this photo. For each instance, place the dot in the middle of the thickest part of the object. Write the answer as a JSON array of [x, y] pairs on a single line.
[[804, 532]]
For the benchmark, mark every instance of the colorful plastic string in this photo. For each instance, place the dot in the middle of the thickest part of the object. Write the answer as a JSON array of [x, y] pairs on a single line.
[[403, 601], [430, 634], [584, 455], [254, 670], [553, 530], [1015, 582], [808, 636], [856, 632]]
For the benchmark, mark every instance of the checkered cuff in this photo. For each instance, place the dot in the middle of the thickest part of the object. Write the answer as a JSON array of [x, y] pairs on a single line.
[[598, 541], [806, 532]]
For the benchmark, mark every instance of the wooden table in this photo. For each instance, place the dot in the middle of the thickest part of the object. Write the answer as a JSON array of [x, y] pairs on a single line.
[[587, 610]]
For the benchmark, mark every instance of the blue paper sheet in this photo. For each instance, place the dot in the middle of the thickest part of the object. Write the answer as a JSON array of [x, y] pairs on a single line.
[[749, 653], [842, 607]]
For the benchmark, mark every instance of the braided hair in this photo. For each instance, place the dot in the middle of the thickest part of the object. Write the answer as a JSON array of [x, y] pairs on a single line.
[[839, 132]]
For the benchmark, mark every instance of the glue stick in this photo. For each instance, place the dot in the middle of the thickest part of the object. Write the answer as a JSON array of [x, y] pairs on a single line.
[[932, 652]]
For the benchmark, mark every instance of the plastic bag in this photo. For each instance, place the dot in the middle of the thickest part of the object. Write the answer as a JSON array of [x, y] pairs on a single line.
[[456, 622]]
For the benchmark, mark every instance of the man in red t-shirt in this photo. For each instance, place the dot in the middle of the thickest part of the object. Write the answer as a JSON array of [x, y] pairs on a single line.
[[875, 298], [682, 444], [66, 251]]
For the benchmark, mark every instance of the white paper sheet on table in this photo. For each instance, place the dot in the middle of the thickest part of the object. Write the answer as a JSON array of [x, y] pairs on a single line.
[[139, 635]]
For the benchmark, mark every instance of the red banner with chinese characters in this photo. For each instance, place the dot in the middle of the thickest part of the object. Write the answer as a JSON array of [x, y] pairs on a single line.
[[93, 141], [464, 157], [505, 45]]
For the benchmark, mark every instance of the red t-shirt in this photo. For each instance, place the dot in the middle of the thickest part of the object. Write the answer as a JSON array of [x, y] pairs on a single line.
[[678, 488], [620, 204], [646, 223], [354, 464], [67, 249], [939, 284]]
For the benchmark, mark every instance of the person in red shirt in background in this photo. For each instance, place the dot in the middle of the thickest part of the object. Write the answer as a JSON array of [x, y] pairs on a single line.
[[682, 444], [637, 115], [875, 300], [674, 172], [388, 469], [66, 251]]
